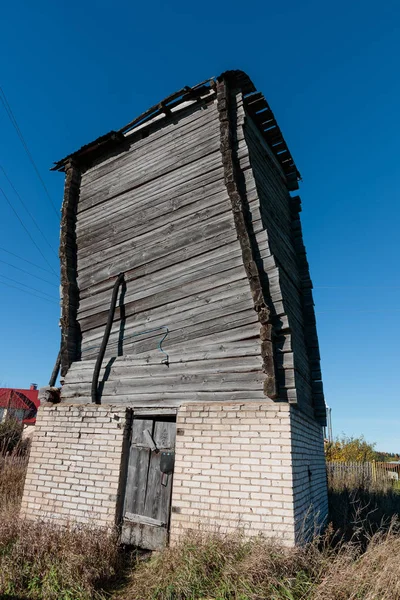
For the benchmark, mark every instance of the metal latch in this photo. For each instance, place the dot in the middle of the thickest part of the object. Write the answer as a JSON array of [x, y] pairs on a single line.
[[167, 462]]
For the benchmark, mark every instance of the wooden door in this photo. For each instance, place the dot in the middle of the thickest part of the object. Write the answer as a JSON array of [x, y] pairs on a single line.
[[149, 484]]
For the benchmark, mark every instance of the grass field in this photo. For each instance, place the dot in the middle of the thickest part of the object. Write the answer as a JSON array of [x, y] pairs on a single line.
[[357, 558]]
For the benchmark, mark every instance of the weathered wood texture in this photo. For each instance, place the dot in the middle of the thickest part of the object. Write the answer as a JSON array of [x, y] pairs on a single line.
[[198, 216], [161, 213], [287, 275], [148, 490], [70, 332]]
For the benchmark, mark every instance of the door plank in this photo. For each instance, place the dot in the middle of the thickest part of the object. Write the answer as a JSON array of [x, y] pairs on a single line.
[[158, 496], [138, 466], [144, 520]]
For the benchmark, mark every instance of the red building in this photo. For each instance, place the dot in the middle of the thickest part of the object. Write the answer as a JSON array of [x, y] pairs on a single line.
[[22, 404]]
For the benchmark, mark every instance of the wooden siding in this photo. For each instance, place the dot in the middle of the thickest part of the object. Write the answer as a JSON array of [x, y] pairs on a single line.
[[217, 304], [161, 213], [282, 276]]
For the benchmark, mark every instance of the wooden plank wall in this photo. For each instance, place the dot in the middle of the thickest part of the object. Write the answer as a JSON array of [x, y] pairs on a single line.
[[160, 212], [281, 272]]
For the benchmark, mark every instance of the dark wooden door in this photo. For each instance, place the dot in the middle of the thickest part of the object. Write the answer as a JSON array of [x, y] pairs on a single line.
[[149, 484]]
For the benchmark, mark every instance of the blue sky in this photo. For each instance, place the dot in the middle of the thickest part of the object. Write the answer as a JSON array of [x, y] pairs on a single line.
[[72, 71]]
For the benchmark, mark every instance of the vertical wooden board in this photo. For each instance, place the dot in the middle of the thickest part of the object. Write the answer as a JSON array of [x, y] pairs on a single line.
[[158, 496], [138, 467]]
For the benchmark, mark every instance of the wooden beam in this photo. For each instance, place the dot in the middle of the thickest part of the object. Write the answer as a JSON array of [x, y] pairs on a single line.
[[242, 218], [70, 331]]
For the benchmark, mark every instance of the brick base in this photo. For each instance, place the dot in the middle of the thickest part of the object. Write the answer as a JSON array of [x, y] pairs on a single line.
[[256, 466]]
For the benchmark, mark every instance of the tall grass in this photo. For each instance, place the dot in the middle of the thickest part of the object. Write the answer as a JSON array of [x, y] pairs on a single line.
[[357, 558], [355, 500], [217, 567], [12, 477], [45, 561]]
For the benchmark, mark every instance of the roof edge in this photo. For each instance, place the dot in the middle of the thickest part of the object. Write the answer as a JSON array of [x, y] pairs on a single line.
[[256, 106]]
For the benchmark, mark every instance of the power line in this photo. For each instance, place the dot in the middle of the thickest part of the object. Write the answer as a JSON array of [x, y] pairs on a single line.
[[27, 230], [28, 211], [25, 260], [27, 272], [357, 310], [13, 120], [26, 292], [29, 287], [355, 287]]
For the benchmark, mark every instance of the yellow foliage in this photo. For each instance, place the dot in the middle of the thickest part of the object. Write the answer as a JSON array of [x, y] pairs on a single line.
[[350, 449]]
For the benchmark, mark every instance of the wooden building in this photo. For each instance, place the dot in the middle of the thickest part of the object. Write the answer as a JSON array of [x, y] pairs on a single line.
[[185, 220]]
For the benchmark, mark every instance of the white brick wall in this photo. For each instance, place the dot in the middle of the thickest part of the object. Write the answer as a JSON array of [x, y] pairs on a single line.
[[256, 466], [233, 469], [309, 475], [74, 465], [242, 465]]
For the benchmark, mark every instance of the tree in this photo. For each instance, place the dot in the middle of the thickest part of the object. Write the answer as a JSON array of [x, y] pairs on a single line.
[[350, 449]]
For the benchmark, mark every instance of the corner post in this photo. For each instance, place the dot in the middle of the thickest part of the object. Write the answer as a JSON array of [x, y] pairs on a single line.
[[70, 330]]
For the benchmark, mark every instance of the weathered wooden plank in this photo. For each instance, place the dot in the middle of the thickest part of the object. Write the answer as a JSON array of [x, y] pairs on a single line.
[[195, 117], [166, 235], [143, 536], [179, 310], [158, 496], [150, 168], [195, 143], [138, 333], [194, 333], [132, 253], [173, 399], [171, 210], [158, 299], [173, 185], [158, 271], [190, 243], [185, 383], [234, 365], [144, 520], [138, 291], [138, 464]]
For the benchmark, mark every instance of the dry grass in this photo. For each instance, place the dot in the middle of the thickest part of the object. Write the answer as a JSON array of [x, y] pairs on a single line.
[[352, 502], [215, 567], [373, 574], [12, 477], [358, 560], [43, 561]]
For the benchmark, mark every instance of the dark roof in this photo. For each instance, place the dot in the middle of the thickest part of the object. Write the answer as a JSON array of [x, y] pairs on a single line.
[[256, 106]]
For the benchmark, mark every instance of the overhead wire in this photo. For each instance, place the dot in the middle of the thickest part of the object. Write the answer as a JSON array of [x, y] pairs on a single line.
[[26, 292], [27, 230], [28, 211], [14, 122], [27, 272], [30, 289], [25, 260]]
